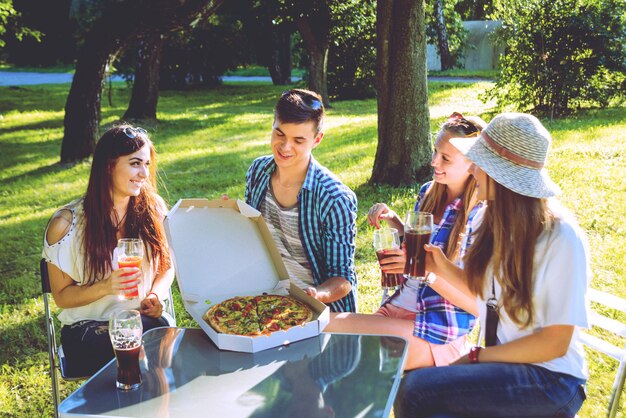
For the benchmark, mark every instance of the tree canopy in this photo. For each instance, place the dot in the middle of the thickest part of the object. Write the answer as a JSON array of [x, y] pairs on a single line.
[[561, 54]]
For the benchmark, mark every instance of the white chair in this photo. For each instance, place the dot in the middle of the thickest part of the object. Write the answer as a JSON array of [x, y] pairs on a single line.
[[615, 327], [55, 352]]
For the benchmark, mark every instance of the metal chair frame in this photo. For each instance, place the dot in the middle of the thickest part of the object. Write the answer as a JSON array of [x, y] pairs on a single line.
[[56, 356], [615, 327]]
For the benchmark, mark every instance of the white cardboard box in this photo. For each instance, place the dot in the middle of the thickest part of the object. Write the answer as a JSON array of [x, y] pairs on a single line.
[[222, 249]]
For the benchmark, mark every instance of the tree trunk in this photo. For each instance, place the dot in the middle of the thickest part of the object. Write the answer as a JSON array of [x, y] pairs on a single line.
[[280, 65], [82, 109], [114, 26], [145, 95], [447, 61], [404, 149], [317, 46]]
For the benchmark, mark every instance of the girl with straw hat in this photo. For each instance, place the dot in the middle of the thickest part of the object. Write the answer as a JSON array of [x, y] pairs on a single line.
[[529, 266]]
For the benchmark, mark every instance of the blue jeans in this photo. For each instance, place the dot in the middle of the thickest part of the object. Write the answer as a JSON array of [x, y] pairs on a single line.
[[489, 390], [87, 345]]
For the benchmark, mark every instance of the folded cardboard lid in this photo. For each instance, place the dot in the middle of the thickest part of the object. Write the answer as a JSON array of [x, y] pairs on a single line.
[[221, 247]]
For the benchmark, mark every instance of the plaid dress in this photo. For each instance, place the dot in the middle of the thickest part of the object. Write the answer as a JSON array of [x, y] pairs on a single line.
[[437, 320]]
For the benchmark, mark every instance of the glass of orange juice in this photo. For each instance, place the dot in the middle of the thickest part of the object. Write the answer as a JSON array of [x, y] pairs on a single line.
[[129, 254]]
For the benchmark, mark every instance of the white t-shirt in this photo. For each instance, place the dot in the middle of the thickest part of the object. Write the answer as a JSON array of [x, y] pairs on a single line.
[[561, 276], [67, 255]]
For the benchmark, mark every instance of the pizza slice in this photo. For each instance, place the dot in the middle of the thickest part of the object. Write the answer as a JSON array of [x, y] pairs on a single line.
[[281, 312], [234, 316]]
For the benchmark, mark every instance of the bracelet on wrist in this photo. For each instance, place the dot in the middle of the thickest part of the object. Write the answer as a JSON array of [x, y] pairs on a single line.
[[155, 295], [473, 354]]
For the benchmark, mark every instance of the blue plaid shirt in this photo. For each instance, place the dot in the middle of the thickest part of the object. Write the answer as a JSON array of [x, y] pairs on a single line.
[[327, 222], [437, 320]]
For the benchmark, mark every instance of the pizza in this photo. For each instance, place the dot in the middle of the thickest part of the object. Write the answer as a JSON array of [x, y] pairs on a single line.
[[257, 315]]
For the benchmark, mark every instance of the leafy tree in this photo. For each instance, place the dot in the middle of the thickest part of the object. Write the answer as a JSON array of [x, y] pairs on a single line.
[[270, 37], [561, 54], [445, 30], [404, 150], [200, 55], [314, 21], [108, 26], [145, 94], [352, 53], [11, 22], [474, 9]]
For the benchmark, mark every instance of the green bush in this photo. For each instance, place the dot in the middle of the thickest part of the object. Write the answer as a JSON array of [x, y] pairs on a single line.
[[352, 53], [560, 54]]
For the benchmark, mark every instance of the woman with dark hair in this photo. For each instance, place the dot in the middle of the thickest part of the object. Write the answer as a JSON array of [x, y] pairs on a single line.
[[121, 202], [529, 266], [434, 317]]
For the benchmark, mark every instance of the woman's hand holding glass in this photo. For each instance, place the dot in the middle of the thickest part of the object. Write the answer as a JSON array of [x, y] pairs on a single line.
[[123, 282], [381, 212], [394, 262]]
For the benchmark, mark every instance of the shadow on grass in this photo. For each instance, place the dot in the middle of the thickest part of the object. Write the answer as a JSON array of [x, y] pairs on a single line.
[[48, 123], [23, 339], [40, 171]]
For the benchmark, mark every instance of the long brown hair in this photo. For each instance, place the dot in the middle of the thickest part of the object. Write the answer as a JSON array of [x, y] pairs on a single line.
[[144, 214], [505, 242], [435, 198]]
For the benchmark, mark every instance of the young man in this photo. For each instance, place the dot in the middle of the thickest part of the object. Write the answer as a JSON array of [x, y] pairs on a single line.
[[311, 214]]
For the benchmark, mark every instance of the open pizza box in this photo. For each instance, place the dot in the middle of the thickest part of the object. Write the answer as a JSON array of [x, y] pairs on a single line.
[[222, 249]]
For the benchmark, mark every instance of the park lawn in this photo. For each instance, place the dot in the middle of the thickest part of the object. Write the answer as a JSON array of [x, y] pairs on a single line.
[[206, 139]]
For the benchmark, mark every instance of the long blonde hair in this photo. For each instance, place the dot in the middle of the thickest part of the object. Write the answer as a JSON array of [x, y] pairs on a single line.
[[505, 242], [436, 197], [434, 201]]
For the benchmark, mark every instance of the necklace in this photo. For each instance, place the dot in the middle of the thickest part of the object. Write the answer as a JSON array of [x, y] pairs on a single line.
[[119, 222]]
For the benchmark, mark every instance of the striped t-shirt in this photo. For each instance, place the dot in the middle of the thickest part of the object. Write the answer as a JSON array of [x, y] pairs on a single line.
[[327, 212], [283, 224]]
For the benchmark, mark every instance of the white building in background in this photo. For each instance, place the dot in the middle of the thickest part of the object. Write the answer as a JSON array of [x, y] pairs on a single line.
[[480, 52]]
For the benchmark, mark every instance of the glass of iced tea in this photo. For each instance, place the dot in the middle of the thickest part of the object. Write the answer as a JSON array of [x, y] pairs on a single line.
[[417, 230], [387, 239], [125, 330], [129, 254]]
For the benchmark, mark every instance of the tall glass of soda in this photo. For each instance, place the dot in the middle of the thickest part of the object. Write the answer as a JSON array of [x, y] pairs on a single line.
[[387, 239], [417, 230], [125, 330], [129, 254]]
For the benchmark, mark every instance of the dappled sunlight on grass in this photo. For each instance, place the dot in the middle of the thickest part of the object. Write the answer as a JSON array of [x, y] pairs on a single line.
[[206, 139]]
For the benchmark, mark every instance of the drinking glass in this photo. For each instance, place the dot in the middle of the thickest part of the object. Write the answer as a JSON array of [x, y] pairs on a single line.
[[387, 239], [417, 230], [125, 330], [129, 254]]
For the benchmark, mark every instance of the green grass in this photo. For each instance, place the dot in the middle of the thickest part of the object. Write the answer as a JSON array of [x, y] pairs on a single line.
[[253, 70], [206, 140], [461, 72], [60, 68]]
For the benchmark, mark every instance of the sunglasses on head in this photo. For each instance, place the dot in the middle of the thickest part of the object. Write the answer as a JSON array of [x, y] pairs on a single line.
[[468, 127], [133, 133], [308, 100]]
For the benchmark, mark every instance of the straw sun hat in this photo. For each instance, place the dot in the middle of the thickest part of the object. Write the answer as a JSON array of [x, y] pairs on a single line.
[[512, 150]]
